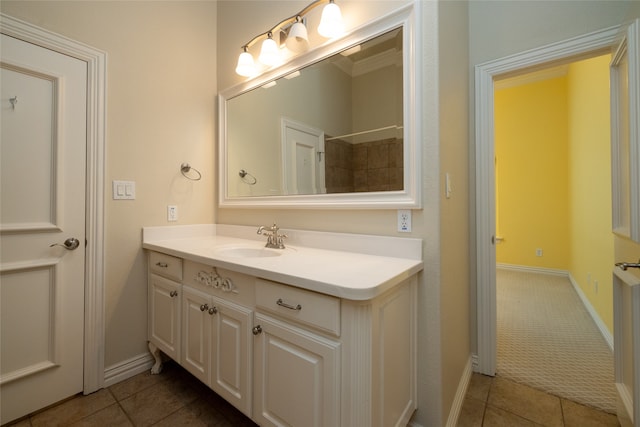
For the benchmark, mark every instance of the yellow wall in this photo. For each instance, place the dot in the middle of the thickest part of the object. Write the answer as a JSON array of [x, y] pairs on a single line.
[[553, 178], [531, 174], [590, 183]]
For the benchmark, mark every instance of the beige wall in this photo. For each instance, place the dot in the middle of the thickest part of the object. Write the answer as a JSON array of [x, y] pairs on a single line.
[[499, 28], [162, 74], [161, 85]]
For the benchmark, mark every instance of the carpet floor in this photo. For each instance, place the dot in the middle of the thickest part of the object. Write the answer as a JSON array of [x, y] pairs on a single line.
[[548, 340]]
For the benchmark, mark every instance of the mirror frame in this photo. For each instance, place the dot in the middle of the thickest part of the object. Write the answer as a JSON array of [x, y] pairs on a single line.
[[410, 196]]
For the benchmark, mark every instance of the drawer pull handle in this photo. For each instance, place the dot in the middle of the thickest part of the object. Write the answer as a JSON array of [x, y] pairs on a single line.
[[173, 294], [289, 306], [204, 307], [162, 264]]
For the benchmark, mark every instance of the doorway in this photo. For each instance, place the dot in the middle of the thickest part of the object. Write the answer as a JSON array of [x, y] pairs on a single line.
[[553, 220], [589, 45]]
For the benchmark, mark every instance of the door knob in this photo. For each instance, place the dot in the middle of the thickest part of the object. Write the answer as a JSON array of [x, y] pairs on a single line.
[[625, 265], [70, 244]]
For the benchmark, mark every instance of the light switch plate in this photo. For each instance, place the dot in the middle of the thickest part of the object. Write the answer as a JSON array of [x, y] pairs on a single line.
[[124, 190]]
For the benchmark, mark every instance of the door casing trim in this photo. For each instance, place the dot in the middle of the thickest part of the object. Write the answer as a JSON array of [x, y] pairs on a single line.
[[574, 49], [96, 61]]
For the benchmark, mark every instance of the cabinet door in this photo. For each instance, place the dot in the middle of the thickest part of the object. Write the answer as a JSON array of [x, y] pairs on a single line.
[[231, 353], [196, 327], [164, 315], [296, 375]]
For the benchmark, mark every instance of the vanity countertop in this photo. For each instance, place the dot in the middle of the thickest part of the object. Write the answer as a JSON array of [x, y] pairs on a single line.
[[350, 266]]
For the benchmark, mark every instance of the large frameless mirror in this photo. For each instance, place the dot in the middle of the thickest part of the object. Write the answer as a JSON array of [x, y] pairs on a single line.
[[335, 127]]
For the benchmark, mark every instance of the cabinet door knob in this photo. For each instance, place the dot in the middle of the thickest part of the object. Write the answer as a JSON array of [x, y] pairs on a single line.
[[257, 330], [204, 307], [213, 310], [173, 294]]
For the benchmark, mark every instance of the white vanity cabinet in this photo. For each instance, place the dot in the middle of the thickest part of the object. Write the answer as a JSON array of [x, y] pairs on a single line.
[[216, 342], [287, 355], [296, 368], [165, 274], [196, 331], [325, 361]]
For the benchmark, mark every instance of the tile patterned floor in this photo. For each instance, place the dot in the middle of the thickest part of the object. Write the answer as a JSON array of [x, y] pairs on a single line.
[[175, 398], [493, 402]]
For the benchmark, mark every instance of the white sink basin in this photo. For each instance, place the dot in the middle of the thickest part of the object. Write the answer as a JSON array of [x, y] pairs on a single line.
[[249, 252]]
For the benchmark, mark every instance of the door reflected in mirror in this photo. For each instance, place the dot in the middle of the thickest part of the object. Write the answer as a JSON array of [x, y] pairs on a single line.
[[335, 126]]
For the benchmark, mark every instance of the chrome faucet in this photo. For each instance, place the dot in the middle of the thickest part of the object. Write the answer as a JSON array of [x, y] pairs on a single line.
[[274, 240]]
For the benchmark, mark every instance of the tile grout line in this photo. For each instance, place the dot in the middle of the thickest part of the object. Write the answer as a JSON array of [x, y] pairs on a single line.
[[126, 414]]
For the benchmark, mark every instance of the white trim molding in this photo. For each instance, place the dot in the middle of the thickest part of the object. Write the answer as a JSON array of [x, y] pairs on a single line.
[[96, 61], [570, 50], [128, 368], [604, 331], [458, 400]]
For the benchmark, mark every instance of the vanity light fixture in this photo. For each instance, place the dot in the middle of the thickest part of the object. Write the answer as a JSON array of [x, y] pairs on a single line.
[[331, 22], [269, 53], [246, 66], [297, 38]]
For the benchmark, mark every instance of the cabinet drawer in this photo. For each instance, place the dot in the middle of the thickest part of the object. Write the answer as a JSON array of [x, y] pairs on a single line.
[[166, 265], [311, 308]]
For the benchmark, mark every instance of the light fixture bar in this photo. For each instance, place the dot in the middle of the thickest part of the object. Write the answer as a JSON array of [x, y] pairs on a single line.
[[297, 40], [285, 22]]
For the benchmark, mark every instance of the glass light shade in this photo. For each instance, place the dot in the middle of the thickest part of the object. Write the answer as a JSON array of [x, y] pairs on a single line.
[[331, 22], [246, 67], [269, 53], [298, 39]]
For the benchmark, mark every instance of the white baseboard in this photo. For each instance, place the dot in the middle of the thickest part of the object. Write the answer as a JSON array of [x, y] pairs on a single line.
[[608, 337], [127, 369], [458, 401], [526, 269], [604, 331]]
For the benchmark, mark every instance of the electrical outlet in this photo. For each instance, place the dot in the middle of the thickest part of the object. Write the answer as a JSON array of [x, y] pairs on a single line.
[[172, 213], [538, 252], [404, 220]]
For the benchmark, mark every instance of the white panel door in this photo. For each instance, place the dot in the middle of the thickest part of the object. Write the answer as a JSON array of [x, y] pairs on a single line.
[[625, 123], [303, 159], [42, 203]]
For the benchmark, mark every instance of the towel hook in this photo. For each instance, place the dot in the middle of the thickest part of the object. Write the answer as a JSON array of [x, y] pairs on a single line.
[[13, 102], [185, 168]]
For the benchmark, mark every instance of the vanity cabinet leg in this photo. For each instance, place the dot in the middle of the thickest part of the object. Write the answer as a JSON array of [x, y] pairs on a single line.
[[157, 355]]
